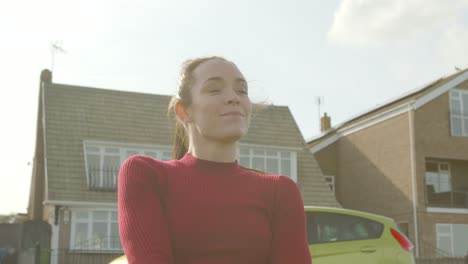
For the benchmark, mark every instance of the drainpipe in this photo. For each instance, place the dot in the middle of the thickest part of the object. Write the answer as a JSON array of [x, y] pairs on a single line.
[[413, 175]]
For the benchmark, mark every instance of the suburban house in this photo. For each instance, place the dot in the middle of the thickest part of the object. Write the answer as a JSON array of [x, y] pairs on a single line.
[[83, 136], [407, 159]]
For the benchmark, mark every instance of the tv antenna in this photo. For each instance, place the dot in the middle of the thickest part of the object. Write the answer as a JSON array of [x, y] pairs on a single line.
[[319, 101], [56, 47]]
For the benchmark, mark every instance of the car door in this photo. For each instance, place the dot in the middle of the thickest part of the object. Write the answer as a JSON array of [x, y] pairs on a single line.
[[341, 238]]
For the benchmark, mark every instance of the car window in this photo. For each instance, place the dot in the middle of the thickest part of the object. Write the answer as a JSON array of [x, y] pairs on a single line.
[[324, 227]]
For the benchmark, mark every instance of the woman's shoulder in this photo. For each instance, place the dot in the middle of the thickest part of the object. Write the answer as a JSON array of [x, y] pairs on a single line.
[[144, 160], [278, 179], [143, 163]]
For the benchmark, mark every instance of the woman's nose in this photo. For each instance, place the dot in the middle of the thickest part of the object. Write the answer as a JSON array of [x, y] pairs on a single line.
[[232, 97]]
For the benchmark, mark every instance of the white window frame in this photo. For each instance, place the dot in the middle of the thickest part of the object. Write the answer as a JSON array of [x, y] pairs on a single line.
[[162, 152], [292, 157], [90, 222], [439, 170], [449, 234], [457, 95]]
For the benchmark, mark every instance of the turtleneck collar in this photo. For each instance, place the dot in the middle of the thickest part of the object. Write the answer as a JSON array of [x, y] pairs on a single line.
[[208, 166]]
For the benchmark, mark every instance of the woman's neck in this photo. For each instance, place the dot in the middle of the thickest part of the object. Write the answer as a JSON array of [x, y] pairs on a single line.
[[214, 151]]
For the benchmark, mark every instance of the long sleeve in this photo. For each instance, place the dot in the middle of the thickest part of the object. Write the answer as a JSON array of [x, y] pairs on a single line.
[[143, 226], [289, 245]]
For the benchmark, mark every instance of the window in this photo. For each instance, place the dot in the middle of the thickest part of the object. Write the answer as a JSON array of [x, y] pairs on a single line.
[[103, 162], [330, 180], [95, 230], [403, 227], [459, 112], [452, 239], [324, 227], [272, 161], [438, 177]]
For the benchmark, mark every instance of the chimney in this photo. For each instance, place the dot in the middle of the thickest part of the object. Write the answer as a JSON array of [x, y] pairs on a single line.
[[325, 123], [46, 76]]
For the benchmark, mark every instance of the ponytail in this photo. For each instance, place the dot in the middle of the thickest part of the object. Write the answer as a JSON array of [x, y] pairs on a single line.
[[180, 145]]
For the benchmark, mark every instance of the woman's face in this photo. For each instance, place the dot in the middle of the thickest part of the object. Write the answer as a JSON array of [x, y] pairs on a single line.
[[220, 108]]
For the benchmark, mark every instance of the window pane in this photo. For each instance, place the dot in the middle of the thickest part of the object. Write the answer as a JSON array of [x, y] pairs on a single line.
[[403, 227], [432, 167], [456, 126], [244, 151], [112, 150], [285, 154], [465, 127], [258, 163], [259, 152], [465, 103], [454, 94], [455, 107], [151, 154], [94, 169], [114, 216], [92, 149], [81, 215], [444, 229], [443, 166], [93, 161], [110, 171], [432, 179], [312, 228], [334, 227], [99, 236], [111, 162], [460, 239], [114, 239], [167, 155], [131, 152], [81, 233], [272, 165], [286, 167], [271, 153], [100, 215], [444, 181], [445, 244], [244, 161]]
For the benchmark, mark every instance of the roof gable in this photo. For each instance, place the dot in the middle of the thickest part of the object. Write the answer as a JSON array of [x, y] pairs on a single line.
[[413, 99]]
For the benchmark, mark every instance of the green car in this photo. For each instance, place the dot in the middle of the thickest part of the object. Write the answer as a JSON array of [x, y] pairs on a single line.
[[338, 235]]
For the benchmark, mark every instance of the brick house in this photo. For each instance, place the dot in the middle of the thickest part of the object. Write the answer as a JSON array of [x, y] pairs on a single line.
[[407, 159], [84, 134]]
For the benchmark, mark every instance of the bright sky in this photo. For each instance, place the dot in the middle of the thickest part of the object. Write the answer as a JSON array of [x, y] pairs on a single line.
[[354, 54]]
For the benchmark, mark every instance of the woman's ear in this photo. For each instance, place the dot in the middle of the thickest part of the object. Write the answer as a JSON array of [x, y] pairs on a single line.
[[181, 113]]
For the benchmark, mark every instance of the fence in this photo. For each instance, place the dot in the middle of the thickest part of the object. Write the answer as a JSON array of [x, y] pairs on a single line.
[[442, 260], [430, 254], [66, 256]]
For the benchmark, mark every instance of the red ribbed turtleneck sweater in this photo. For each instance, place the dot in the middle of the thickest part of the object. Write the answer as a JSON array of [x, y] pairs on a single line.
[[193, 211]]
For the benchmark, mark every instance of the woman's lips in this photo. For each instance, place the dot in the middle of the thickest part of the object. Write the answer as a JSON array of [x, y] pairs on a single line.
[[233, 113]]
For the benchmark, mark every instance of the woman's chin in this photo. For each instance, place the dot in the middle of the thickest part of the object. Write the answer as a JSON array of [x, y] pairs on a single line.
[[232, 136]]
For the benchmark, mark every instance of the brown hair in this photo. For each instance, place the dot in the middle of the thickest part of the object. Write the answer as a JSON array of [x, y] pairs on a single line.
[[184, 96]]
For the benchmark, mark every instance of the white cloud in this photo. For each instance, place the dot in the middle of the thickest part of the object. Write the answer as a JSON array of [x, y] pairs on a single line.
[[376, 22]]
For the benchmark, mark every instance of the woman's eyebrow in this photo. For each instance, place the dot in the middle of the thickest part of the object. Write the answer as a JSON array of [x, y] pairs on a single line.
[[216, 78], [241, 80]]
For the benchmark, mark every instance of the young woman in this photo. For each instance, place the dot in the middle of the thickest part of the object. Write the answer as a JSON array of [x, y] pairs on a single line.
[[202, 207]]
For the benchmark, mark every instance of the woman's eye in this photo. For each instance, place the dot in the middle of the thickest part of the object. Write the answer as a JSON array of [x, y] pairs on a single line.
[[243, 91], [213, 88], [212, 91]]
